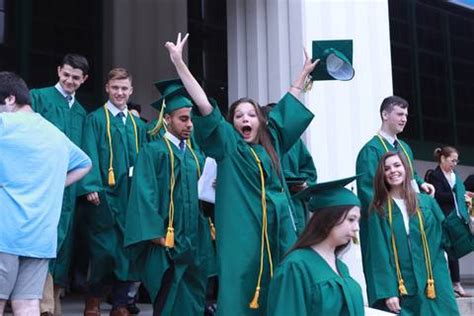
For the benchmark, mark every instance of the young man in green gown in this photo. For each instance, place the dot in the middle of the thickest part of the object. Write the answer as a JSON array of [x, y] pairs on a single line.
[[59, 105], [394, 114], [112, 138], [165, 227]]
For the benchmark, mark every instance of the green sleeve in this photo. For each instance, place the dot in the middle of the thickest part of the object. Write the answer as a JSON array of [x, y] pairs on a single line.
[[379, 269], [92, 182], [307, 167], [288, 120], [215, 136], [35, 101], [143, 221], [289, 292]]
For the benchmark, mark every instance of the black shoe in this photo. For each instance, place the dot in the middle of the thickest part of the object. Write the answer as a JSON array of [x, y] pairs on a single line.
[[133, 309]]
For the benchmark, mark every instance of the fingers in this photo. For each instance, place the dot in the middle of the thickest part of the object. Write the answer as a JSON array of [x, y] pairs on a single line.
[[179, 38], [185, 39], [93, 198], [393, 304], [306, 55]]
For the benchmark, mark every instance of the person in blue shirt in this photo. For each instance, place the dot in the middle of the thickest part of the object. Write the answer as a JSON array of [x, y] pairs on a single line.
[[36, 162]]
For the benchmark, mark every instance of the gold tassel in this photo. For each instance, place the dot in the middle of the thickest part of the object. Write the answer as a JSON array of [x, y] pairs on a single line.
[[254, 303], [160, 122], [169, 242], [213, 230], [401, 288], [111, 177], [430, 289]]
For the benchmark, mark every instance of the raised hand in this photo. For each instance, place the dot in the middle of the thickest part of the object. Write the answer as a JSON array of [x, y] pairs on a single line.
[[309, 65], [176, 49]]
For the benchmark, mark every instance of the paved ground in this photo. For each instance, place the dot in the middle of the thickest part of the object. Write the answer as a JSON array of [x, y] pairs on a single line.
[[74, 306]]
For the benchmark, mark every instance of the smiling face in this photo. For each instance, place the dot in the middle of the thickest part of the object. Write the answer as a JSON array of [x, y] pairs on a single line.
[[347, 229], [246, 122], [394, 171], [70, 78], [119, 91]]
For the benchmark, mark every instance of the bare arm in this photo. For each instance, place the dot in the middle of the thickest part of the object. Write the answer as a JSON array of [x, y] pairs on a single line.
[[190, 83], [298, 84], [76, 175]]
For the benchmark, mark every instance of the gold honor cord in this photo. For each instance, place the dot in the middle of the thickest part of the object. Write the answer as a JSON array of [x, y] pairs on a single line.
[[211, 224], [430, 287], [264, 239], [404, 151], [169, 241], [111, 175]]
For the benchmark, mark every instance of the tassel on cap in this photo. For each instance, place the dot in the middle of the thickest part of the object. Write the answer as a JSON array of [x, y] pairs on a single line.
[[160, 122], [401, 287], [430, 289], [111, 177], [254, 303], [169, 241]]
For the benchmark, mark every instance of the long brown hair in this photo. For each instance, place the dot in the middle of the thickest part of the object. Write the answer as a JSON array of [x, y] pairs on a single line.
[[320, 226], [382, 188], [263, 134]]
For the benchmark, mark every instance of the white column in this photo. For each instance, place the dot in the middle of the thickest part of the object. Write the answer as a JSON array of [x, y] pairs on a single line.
[[347, 113], [265, 41]]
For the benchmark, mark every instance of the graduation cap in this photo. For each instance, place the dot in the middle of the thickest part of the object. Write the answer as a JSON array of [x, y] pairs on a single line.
[[335, 60], [329, 194], [173, 97]]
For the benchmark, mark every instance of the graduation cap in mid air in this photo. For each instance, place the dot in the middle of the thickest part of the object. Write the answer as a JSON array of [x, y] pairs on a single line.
[[335, 60]]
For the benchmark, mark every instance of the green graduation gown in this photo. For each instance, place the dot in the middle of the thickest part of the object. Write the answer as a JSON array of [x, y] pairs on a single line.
[[148, 218], [106, 222], [298, 163], [367, 162], [380, 272], [304, 284], [238, 209], [52, 105]]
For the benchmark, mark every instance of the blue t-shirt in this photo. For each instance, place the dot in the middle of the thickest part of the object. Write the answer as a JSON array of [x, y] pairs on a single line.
[[34, 160]]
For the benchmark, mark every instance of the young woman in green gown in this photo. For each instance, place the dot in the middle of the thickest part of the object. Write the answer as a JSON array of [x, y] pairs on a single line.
[[254, 222], [311, 280], [406, 269]]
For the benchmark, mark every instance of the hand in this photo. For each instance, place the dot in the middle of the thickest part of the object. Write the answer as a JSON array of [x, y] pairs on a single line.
[[93, 197], [309, 65], [298, 187], [393, 304], [159, 241], [470, 194], [176, 50], [428, 188]]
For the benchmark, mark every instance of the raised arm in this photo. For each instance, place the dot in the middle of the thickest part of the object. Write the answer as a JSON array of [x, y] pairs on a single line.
[[298, 84], [190, 83]]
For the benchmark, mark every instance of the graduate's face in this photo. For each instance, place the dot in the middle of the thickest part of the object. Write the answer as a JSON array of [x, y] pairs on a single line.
[[347, 230], [246, 122], [119, 91], [394, 171], [395, 120], [179, 123], [449, 163], [70, 78]]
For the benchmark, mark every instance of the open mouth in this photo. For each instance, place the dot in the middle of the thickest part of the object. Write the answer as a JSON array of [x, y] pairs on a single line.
[[246, 131]]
